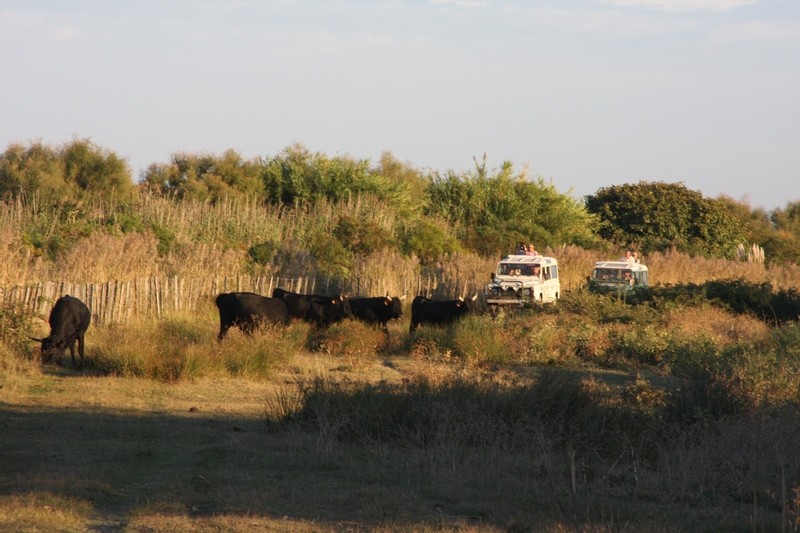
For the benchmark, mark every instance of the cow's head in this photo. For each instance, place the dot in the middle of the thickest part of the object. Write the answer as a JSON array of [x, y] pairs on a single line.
[[466, 306], [394, 305], [52, 347], [345, 303], [341, 306]]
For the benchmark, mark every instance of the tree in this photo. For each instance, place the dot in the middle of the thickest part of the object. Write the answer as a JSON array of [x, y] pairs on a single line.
[[778, 232], [659, 215], [297, 176], [788, 218], [206, 177], [35, 169], [494, 211], [75, 170]]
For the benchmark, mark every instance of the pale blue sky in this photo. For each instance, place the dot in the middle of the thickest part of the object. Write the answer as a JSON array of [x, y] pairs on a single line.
[[586, 93]]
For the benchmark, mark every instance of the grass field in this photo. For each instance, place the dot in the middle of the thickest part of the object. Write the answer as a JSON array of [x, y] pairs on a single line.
[[553, 421]]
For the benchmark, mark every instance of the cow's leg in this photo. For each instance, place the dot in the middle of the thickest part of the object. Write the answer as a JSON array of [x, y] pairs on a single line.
[[80, 349], [72, 351], [412, 328]]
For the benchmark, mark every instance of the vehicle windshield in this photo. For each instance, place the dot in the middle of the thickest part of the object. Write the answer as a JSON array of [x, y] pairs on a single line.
[[611, 274], [511, 269]]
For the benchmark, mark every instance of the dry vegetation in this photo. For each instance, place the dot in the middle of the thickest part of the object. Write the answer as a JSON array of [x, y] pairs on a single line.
[[100, 242], [589, 415]]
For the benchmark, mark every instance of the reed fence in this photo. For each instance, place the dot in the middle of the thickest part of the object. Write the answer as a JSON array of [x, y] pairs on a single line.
[[120, 301]]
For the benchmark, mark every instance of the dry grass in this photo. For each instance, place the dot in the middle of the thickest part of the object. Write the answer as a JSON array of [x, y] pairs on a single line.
[[204, 239], [133, 454], [723, 327], [101, 256]]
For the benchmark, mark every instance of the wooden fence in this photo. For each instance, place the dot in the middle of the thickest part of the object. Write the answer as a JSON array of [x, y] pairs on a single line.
[[120, 301]]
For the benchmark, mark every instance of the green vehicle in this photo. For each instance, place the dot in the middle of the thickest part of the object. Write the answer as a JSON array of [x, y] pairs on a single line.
[[623, 278]]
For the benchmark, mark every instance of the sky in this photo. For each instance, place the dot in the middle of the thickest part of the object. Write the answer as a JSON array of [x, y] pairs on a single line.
[[582, 93]]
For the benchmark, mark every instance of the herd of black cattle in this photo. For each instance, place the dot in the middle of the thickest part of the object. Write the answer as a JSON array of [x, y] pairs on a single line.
[[70, 317]]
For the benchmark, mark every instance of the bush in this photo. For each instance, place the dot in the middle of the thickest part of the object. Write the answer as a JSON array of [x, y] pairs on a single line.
[[185, 349], [354, 342], [478, 339]]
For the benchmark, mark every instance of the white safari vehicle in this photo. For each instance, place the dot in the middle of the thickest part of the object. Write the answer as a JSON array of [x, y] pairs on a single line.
[[523, 280], [618, 277]]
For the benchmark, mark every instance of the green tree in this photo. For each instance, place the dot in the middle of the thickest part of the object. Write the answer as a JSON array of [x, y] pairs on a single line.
[[205, 177], [778, 232], [428, 240], [360, 236], [659, 215], [493, 212], [788, 218], [77, 169], [33, 169], [410, 182], [96, 171], [297, 176]]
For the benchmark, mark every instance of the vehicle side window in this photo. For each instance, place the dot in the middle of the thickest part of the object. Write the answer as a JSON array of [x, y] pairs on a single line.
[[554, 272]]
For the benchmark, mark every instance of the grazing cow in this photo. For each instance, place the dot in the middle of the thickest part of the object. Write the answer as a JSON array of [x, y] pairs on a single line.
[[69, 320], [379, 310], [247, 311], [321, 311], [427, 311]]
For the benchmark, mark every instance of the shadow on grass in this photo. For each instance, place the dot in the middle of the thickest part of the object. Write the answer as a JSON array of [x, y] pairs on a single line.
[[480, 463], [127, 464]]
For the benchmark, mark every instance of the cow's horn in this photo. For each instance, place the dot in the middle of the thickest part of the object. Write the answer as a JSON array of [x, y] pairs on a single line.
[[475, 297], [35, 339]]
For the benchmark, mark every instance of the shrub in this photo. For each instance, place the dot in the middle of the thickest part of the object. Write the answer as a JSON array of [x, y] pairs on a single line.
[[354, 342], [259, 356], [695, 357], [478, 339], [185, 349], [262, 253], [643, 344]]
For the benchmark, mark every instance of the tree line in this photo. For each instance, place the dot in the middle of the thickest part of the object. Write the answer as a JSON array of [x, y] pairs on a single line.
[[427, 214]]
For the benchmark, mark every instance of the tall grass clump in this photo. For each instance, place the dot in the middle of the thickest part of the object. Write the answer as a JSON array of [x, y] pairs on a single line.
[[183, 348], [18, 353], [259, 356], [478, 339], [354, 343], [170, 350]]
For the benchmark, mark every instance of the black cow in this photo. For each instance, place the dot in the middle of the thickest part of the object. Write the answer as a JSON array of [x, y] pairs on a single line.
[[319, 310], [69, 320], [427, 311], [247, 310], [379, 310]]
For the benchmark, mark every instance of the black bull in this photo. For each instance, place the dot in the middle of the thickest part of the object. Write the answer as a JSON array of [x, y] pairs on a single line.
[[427, 311], [69, 320], [377, 310], [318, 310], [247, 310]]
